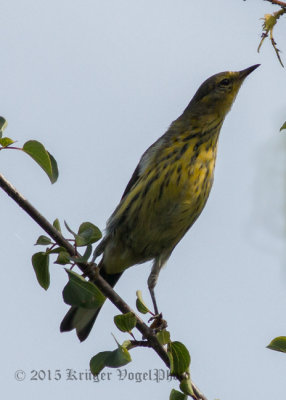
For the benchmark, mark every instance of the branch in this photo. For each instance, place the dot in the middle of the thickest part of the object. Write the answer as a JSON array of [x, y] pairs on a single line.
[[35, 215], [278, 3], [92, 273]]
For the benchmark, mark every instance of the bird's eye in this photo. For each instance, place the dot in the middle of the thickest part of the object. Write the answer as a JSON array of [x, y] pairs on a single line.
[[224, 82]]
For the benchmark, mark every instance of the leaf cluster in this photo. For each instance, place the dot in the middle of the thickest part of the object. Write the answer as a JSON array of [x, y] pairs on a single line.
[[177, 352], [87, 234]]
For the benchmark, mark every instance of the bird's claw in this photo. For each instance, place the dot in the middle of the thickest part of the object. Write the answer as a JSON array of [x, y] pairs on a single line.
[[158, 323]]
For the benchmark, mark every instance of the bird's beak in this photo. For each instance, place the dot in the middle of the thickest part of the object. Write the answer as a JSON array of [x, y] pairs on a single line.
[[243, 74]]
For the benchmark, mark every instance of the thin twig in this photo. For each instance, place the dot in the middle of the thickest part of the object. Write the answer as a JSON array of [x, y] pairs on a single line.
[[92, 273], [11, 148], [277, 3], [270, 20]]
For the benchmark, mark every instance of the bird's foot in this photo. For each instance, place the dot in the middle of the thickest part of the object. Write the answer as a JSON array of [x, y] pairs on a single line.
[[92, 270], [158, 323]]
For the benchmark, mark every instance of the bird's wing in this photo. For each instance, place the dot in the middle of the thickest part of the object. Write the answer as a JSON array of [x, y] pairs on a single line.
[[147, 158], [134, 178]]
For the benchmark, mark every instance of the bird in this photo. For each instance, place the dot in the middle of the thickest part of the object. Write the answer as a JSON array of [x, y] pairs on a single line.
[[166, 193]]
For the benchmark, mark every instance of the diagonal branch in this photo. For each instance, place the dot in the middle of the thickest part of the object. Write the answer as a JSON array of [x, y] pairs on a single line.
[[92, 273], [35, 215], [278, 3]]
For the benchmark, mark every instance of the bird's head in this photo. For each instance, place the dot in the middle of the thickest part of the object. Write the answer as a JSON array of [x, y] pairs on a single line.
[[216, 95]]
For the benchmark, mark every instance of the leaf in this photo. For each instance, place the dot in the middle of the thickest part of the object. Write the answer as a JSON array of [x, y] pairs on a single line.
[[84, 258], [118, 358], [186, 387], [278, 344], [43, 240], [39, 154], [180, 358], [98, 362], [283, 126], [57, 225], [140, 305], [63, 258], [56, 250], [163, 337], [40, 263], [125, 322], [5, 142], [87, 252], [176, 395], [55, 170], [87, 234], [81, 293], [113, 359], [3, 125]]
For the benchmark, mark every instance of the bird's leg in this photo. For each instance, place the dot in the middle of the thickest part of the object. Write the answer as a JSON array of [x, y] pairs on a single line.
[[158, 323], [153, 297], [152, 280]]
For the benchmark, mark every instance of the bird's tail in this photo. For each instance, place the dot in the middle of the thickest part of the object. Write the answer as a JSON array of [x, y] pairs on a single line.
[[82, 319]]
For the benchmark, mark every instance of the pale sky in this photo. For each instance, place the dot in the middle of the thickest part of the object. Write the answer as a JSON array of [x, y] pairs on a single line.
[[97, 82]]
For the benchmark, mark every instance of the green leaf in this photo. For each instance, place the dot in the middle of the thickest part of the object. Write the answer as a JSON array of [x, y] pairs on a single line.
[[163, 337], [81, 293], [125, 322], [56, 250], [3, 125], [278, 344], [186, 387], [57, 225], [40, 263], [98, 362], [112, 359], [140, 305], [5, 142], [283, 126], [55, 170], [118, 358], [84, 258], [39, 154], [63, 258], [87, 234], [43, 240], [87, 252], [180, 358], [176, 395]]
